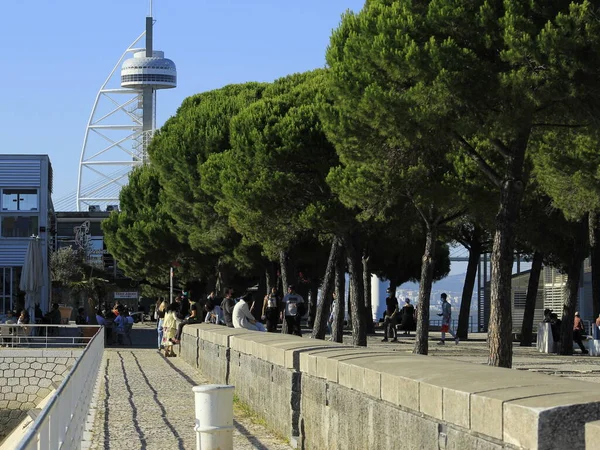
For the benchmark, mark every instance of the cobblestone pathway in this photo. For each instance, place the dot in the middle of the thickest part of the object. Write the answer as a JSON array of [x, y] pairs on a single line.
[[146, 401]]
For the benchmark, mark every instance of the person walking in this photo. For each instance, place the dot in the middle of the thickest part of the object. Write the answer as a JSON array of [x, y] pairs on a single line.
[[391, 317], [446, 320], [578, 333], [293, 305], [160, 317]]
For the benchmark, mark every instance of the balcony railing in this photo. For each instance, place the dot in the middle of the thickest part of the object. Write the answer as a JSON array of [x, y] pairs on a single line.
[[61, 423]]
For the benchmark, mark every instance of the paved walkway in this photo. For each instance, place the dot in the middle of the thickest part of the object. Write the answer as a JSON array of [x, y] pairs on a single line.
[[146, 401]]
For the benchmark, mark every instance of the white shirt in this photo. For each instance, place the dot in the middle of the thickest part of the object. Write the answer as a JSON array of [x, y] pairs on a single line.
[[242, 316], [291, 304], [217, 313]]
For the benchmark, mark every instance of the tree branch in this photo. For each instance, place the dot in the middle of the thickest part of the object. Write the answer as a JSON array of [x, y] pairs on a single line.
[[502, 149], [442, 220], [419, 210], [481, 163]]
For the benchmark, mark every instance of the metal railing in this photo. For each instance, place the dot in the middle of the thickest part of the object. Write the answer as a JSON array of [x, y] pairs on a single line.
[[45, 336], [61, 423], [454, 324]]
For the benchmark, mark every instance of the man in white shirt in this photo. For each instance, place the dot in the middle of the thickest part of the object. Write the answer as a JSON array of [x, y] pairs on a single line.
[[294, 310], [243, 318]]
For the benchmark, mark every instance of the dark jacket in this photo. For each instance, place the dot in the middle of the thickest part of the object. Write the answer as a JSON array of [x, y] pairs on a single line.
[[227, 306]]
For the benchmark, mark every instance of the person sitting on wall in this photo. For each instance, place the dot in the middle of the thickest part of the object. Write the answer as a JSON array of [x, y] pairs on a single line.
[[192, 318], [243, 318], [214, 314]]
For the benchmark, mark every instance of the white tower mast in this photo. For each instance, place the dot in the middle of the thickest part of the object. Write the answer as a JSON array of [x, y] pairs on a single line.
[[122, 123]]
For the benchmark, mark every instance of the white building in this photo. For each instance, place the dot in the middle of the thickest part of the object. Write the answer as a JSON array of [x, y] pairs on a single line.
[[25, 210]]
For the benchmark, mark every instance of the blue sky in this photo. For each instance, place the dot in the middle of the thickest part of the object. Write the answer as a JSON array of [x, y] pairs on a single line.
[[57, 54]]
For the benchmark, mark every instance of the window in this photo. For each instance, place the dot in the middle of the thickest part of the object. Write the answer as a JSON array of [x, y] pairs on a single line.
[[520, 299], [19, 200], [18, 226]]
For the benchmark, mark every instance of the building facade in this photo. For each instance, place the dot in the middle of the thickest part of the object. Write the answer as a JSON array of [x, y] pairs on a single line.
[[25, 210], [83, 231]]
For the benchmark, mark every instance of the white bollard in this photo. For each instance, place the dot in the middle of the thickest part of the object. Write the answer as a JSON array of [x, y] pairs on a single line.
[[214, 417]]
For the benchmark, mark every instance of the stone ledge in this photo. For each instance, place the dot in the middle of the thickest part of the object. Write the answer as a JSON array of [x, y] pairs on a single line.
[[518, 408], [592, 435]]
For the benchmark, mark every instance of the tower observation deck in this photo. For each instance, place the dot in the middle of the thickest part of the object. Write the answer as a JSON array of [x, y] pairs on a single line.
[[122, 122]]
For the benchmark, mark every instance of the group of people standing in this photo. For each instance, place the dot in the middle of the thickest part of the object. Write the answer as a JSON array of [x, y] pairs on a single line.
[[406, 317], [394, 315]]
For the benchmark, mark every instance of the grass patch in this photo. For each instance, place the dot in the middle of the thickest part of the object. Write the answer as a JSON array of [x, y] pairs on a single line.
[[242, 410]]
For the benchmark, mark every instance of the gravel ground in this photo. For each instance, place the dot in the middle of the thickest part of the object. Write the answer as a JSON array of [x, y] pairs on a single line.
[[145, 401]]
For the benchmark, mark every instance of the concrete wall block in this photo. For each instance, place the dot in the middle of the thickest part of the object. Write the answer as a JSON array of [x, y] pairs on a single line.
[[486, 415], [550, 421], [592, 434], [13, 381], [372, 383], [19, 373], [8, 373], [453, 439], [430, 400], [456, 407]]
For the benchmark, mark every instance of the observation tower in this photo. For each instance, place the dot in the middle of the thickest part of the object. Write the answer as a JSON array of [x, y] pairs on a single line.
[[122, 122]]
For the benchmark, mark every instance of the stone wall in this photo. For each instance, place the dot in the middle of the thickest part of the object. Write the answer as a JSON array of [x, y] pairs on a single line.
[[26, 378], [325, 395]]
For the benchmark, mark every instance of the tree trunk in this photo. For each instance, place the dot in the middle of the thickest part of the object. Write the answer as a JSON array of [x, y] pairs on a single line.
[[270, 277], [532, 291], [427, 264], [511, 196], [572, 287], [285, 281], [467, 294], [337, 327], [500, 324], [313, 295], [327, 288], [349, 297], [357, 302], [367, 287], [594, 232]]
